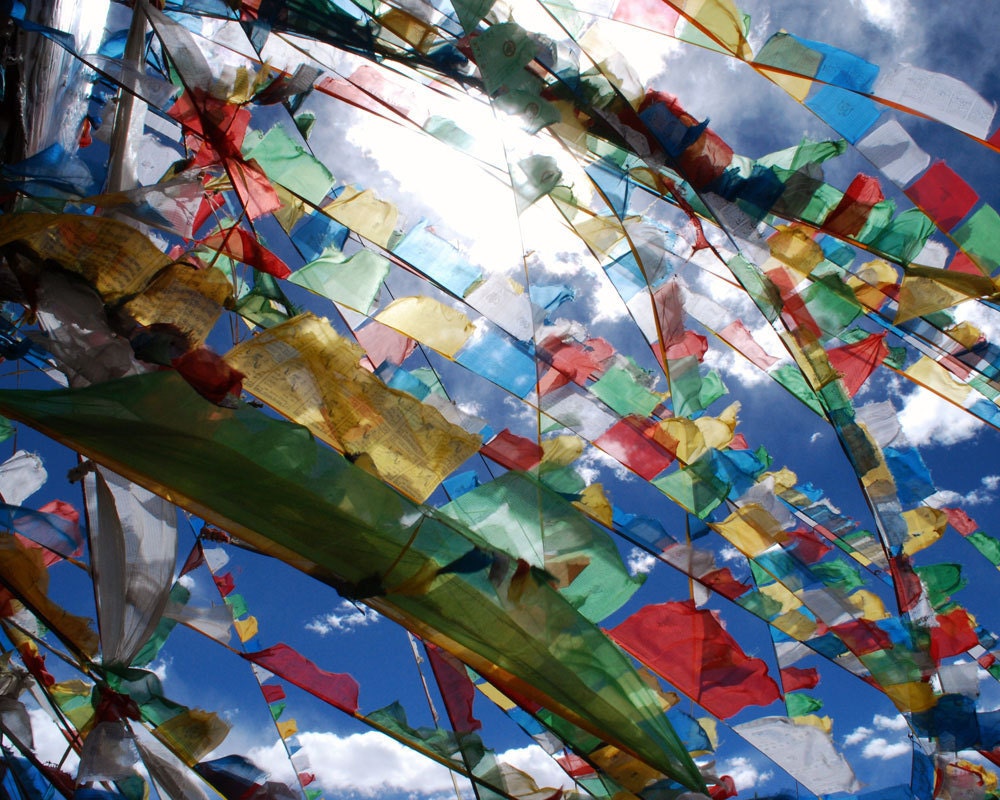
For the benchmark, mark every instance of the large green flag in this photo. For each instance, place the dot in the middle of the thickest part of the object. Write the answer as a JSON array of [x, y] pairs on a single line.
[[268, 481]]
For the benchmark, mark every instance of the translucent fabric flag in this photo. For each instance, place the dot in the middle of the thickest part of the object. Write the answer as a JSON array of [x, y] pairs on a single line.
[[365, 214], [804, 751], [523, 519], [21, 476], [336, 689], [353, 280], [856, 362], [691, 650], [191, 300], [287, 162], [114, 258], [26, 578], [313, 376], [457, 689], [556, 256], [133, 541], [428, 321], [375, 545]]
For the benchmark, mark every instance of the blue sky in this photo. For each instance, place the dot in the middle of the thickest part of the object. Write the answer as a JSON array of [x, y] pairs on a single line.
[[472, 209]]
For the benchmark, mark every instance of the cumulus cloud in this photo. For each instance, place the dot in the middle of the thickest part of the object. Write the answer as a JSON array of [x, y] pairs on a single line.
[[974, 497], [728, 553], [927, 419], [344, 619], [373, 765], [884, 750], [640, 562], [884, 14], [879, 747], [160, 667], [896, 723], [733, 365], [50, 744], [538, 764], [369, 764], [519, 411], [857, 736], [815, 437], [745, 774], [593, 460]]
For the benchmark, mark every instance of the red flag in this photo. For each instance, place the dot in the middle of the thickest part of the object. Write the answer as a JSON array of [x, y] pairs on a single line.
[[961, 521], [240, 244], [689, 648], [194, 560], [574, 766], [630, 442], [722, 581], [943, 195], [339, 690], [808, 547], [214, 132], [456, 687], [512, 451], [856, 361], [953, 636], [795, 678], [273, 692], [209, 374], [571, 361], [851, 213], [908, 587], [225, 584], [862, 636]]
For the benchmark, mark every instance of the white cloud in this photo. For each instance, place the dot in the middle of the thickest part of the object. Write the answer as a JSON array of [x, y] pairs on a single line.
[[594, 460], [927, 419], [879, 747], [732, 365], [885, 14], [744, 772], [974, 497], [519, 411], [346, 618], [369, 764], [884, 751], [470, 407], [729, 553], [159, 668], [373, 765], [857, 736], [982, 316], [538, 764], [815, 437], [640, 562], [50, 744], [896, 723]]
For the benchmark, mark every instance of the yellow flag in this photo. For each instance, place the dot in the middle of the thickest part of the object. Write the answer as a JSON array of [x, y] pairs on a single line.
[[193, 734], [751, 529], [246, 628], [430, 322], [364, 214], [114, 258], [306, 371], [926, 525]]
